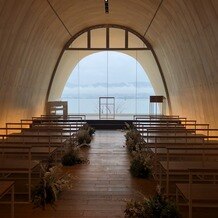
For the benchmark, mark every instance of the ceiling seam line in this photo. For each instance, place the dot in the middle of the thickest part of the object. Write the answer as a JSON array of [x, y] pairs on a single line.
[[59, 18], [153, 18]]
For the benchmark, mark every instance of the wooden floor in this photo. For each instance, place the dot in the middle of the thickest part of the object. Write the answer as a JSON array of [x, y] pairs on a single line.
[[100, 188]]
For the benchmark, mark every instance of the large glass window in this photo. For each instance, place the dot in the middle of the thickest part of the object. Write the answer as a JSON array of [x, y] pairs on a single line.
[[108, 74]]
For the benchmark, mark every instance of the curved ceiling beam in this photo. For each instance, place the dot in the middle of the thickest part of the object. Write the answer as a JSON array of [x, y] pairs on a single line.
[[144, 40], [108, 26]]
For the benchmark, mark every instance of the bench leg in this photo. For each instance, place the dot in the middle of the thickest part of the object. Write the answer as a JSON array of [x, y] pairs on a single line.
[[190, 209], [167, 183], [177, 197], [29, 186], [12, 201]]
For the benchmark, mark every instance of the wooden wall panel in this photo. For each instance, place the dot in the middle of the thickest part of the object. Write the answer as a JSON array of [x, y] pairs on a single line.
[[31, 39], [80, 14], [185, 37]]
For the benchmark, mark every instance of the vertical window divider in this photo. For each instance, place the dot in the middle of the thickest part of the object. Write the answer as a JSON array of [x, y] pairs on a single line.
[[136, 83]]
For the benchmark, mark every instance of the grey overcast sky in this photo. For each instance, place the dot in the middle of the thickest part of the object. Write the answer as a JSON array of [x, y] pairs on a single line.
[[92, 80]]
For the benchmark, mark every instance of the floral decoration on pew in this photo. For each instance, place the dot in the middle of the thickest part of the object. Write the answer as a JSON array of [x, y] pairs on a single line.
[[89, 129], [84, 135], [134, 140], [140, 165], [153, 207], [73, 156], [51, 184]]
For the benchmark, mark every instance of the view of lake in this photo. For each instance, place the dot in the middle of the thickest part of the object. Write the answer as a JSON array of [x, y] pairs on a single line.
[[122, 106], [111, 74]]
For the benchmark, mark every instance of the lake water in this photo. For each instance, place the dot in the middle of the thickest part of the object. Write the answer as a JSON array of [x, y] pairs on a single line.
[[122, 106]]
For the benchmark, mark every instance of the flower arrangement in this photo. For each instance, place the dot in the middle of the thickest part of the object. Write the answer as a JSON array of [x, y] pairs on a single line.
[[153, 207], [88, 128], [140, 165], [135, 209], [134, 141], [50, 186], [83, 137], [73, 156]]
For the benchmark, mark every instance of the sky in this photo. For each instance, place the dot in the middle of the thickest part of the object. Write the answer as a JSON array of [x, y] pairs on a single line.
[[111, 74], [121, 73]]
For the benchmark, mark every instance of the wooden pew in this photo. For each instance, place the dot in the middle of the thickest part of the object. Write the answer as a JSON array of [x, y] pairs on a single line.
[[5, 188], [155, 116], [160, 118], [52, 122], [42, 145], [159, 136], [46, 130], [12, 161], [163, 119], [140, 124], [180, 167], [69, 116], [32, 138], [185, 139], [162, 137], [152, 132], [50, 137], [49, 130], [199, 192]]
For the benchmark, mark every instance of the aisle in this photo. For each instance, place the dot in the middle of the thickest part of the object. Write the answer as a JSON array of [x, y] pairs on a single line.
[[104, 184], [101, 187]]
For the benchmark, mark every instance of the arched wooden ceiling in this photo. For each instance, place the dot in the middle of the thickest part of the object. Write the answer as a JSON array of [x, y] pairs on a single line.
[[183, 33], [97, 42]]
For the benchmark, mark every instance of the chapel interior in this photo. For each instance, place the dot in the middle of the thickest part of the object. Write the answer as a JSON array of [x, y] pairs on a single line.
[[75, 116]]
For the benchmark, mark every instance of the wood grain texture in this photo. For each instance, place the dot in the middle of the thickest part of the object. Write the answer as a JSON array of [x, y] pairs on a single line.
[[100, 188], [184, 35], [79, 14], [31, 40]]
